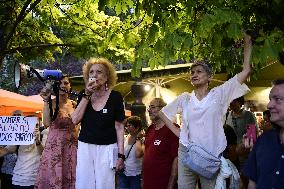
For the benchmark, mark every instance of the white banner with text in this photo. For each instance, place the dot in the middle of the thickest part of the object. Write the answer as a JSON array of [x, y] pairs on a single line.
[[17, 130]]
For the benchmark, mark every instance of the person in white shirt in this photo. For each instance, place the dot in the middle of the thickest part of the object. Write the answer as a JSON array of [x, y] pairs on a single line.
[[203, 115], [26, 168]]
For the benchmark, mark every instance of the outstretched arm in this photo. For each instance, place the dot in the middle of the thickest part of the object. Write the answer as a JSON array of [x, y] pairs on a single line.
[[169, 123], [45, 93], [244, 74]]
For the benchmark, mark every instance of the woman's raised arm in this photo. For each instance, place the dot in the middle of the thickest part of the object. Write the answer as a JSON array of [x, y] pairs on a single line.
[[244, 74]]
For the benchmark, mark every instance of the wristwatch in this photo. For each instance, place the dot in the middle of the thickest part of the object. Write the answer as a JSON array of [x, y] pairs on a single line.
[[122, 156], [88, 97]]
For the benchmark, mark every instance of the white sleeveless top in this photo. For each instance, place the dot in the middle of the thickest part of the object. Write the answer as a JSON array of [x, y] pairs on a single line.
[[133, 165]]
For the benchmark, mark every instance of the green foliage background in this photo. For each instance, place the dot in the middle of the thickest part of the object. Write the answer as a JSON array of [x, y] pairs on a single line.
[[151, 32]]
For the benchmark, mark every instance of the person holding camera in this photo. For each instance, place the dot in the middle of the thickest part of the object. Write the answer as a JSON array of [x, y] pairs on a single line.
[[58, 161], [101, 114], [130, 176], [203, 112]]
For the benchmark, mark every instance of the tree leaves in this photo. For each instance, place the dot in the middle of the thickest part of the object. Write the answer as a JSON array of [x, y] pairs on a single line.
[[234, 31], [145, 32]]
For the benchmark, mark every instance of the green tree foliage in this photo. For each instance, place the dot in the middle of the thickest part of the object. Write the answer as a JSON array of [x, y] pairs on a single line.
[[153, 32]]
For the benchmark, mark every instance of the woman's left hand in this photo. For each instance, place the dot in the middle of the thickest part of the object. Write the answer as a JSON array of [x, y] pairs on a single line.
[[119, 164]]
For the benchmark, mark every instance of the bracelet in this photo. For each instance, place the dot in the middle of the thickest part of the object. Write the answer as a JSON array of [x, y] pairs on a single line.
[[88, 97], [122, 156], [85, 94]]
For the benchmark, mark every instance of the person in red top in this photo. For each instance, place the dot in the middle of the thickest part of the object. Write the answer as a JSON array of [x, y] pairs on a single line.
[[160, 156]]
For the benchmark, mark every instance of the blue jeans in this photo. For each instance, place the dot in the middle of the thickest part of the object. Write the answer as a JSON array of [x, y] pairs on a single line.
[[129, 182]]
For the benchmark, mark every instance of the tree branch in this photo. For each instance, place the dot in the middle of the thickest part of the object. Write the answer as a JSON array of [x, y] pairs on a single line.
[[21, 16], [58, 6], [138, 23], [13, 50]]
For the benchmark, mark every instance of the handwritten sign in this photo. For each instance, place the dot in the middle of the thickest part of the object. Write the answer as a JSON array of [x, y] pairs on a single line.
[[17, 130]]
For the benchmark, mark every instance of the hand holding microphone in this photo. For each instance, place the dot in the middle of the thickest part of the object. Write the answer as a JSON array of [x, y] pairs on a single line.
[[91, 86]]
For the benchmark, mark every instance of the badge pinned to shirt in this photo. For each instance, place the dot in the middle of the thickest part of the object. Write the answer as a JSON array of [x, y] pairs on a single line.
[[104, 111]]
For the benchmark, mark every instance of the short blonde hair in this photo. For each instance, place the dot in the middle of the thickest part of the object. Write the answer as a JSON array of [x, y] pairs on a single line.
[[111, 73]]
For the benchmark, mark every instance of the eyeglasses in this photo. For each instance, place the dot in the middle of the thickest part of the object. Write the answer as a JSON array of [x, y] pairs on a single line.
[[153, 107]]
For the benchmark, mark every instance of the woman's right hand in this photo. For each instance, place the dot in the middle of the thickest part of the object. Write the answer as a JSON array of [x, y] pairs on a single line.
[[45, 93], [91, 86]]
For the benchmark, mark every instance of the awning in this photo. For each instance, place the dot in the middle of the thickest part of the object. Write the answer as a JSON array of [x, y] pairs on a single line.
[[10, 101]]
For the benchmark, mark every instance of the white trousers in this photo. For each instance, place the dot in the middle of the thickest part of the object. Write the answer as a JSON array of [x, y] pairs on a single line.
[[95, 166]]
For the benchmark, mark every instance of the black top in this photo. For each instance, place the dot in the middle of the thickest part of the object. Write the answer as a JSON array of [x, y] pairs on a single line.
[[265, 165], [98, 127], [230, 134], [230, 151]]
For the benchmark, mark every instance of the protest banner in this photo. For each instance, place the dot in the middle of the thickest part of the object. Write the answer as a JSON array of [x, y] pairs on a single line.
[[17, 130]]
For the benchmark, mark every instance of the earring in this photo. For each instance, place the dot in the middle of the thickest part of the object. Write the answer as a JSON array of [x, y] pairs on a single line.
[[106, 87]]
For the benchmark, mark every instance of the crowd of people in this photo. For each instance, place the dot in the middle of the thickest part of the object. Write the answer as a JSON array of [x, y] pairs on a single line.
[[90, 144]]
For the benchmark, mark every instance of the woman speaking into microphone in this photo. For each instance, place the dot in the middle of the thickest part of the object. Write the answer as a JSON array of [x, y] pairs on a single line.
[[101, 113]]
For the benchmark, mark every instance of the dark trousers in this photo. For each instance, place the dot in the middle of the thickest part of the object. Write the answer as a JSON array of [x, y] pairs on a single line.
[[23, 187], [129, 182], [6, 181]]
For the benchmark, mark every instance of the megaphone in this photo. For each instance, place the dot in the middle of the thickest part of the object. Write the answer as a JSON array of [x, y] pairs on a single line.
[[24, 71]]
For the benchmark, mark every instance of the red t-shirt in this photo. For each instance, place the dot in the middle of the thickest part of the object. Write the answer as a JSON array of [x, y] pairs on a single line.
[[161, 148]]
